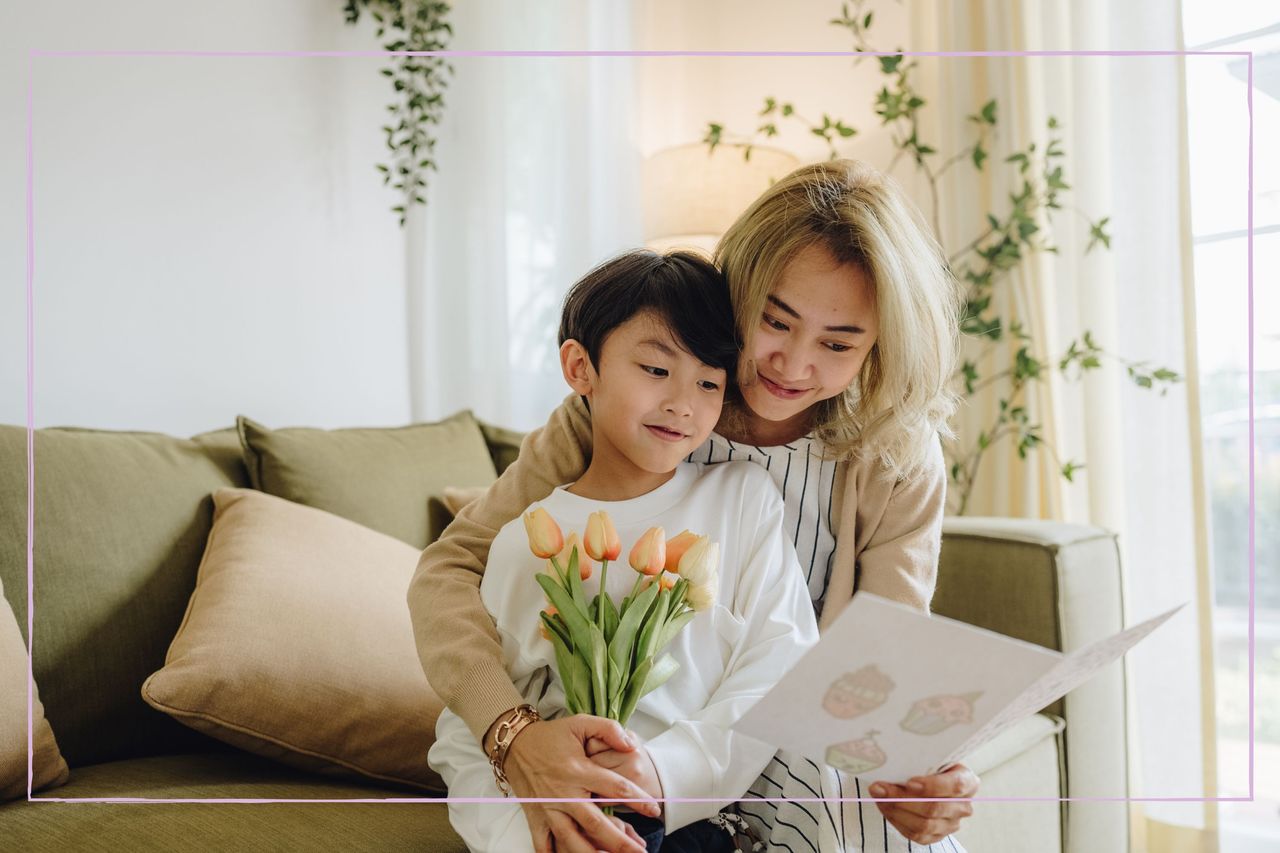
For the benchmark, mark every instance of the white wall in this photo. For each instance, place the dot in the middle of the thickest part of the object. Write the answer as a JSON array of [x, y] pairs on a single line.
[[211, 237], [680, 95]]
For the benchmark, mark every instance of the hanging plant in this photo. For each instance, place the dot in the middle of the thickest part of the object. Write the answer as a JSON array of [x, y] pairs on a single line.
[[419, 83]]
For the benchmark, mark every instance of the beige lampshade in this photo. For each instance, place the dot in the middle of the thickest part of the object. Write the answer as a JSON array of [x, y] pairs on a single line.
[[691, 195]]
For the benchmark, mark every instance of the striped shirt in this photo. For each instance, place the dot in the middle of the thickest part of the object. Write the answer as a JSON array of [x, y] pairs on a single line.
[[807, 483]]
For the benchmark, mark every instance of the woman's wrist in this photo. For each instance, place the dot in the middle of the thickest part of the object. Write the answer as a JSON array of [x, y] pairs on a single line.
[[501, 735]]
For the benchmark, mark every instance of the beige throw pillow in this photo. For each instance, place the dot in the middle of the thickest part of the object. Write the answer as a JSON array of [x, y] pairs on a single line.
[[48, 766], [297, 644]]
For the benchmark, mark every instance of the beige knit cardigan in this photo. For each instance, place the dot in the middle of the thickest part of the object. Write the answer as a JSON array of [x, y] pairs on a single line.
[[887, 541]]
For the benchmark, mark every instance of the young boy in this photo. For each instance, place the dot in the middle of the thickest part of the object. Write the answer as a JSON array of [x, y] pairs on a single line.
[[648, 341]]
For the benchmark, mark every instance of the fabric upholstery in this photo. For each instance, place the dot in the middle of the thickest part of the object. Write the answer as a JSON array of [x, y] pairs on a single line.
[[222, 827], [121, 520], [380, 478], [297, 644], [47, 767]]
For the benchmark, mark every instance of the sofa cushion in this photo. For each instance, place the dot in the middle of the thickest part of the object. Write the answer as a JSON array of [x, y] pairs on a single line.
[[217, 827], [381, 478], [48, 767], [297, 644], [120, 523]]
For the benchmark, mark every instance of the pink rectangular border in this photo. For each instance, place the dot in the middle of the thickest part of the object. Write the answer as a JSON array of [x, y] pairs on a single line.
[[32, 54]]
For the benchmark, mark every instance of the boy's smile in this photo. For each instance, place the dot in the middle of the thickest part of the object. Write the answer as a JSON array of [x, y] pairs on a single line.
[[652, 404]]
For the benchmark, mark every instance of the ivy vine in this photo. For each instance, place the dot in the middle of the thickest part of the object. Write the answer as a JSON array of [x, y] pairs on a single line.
[[419, 83]]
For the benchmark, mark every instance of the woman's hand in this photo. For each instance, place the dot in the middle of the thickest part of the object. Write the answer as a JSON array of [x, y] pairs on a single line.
[[548, 759], [636, 765], [925, 823]]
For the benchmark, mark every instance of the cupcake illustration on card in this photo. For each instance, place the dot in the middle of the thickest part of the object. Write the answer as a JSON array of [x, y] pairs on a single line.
[[856, 693], [939, 713], [857, 756]]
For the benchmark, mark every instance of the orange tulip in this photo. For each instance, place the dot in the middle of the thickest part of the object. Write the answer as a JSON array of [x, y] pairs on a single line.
[[545, 538], [584, 564], [649, 555], [676, 547], [601, 541]]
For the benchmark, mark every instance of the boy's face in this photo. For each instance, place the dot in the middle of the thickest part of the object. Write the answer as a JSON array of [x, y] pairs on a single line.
[[652, 403]]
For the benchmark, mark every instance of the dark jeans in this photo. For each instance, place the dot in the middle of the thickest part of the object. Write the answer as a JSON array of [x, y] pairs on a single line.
[[701, 836]]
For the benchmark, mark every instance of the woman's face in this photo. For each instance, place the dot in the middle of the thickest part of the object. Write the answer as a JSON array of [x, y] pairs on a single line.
[[819, 324]]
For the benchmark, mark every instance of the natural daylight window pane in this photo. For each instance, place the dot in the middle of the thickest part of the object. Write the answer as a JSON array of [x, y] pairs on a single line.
[[1217, 109]]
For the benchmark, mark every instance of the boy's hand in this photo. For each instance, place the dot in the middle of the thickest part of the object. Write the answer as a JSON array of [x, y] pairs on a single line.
[[925, 823], [635, 765]]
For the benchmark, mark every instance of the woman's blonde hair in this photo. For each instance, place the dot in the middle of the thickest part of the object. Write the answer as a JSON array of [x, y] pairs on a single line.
[[901, 399]]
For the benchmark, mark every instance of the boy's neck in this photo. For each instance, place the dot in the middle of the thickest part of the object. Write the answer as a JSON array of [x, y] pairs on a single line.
[[612, 477]]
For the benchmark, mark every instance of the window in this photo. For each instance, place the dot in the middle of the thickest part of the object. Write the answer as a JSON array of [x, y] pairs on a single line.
[[1216, 91]]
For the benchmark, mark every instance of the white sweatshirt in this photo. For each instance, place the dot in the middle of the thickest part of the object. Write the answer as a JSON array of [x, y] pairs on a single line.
[[729, 655]]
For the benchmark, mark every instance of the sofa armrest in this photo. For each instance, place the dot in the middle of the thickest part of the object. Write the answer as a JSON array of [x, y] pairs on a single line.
[[1059, 586]]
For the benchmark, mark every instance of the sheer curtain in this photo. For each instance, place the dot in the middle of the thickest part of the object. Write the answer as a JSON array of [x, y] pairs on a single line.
[[1121, 122], [538, 182]]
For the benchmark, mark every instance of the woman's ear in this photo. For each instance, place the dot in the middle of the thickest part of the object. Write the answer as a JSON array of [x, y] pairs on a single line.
[[575, 364]]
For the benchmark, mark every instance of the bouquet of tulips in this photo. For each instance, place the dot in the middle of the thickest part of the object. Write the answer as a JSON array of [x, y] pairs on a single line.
[[607, 654]]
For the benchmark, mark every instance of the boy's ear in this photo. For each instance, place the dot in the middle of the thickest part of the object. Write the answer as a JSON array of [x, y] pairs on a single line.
[[575, 364]]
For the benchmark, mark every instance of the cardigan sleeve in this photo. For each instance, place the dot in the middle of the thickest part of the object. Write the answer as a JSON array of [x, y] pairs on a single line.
[[458, 644], [900, 558], [889, 535]]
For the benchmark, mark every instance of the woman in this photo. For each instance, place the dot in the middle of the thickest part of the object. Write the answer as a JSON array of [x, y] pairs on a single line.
[[847, 316]]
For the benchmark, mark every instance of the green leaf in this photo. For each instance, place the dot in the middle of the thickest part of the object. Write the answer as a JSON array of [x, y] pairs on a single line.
[[671, 628], [574, 616], [1053, 123], [623, 641], [658, 675], [866, 22], [889, 64], [769, 106], [787, 109], [634, 689], [979, 155], [989, 112], [599, 672]]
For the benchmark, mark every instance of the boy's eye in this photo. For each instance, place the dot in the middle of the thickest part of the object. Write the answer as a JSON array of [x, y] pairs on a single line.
[[708, 385], [773, 323], [653, 371]]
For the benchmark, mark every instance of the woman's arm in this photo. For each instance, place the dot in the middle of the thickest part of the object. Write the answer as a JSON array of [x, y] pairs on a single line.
[[457, 641], [888, 535]]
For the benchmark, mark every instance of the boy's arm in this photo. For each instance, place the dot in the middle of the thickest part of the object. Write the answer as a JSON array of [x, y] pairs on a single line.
[[700, 756], [457, 641]]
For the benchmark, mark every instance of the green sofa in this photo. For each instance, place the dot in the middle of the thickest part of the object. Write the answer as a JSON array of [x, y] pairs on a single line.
[[120, 524]]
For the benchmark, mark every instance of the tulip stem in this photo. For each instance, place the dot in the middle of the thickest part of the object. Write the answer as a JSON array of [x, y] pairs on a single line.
[[604, 576], [636, 586]]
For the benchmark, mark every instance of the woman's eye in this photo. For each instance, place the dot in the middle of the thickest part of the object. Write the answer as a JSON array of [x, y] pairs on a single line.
[[654, 371], [834, 347], [774, 324]]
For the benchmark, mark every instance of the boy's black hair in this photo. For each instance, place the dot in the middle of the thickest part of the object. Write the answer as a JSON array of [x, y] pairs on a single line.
[[685, 290]]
